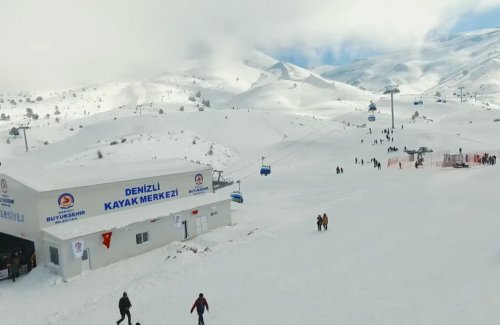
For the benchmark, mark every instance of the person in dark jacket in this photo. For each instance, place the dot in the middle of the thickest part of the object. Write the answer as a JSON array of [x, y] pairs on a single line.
[[124, 305], [319, 222], [200, 305], [14, 269]]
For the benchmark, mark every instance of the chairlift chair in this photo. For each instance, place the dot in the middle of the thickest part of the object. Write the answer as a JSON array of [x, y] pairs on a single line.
[[371, 117], [372, 107], [265, 169], [236, 196]]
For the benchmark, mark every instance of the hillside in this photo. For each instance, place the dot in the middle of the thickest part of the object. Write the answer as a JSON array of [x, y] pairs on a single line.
[[404, 246], [471, 60]]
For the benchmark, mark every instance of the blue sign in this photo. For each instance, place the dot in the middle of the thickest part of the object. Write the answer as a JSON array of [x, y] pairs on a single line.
[[132, 198], [65, 202], [199, 188], [11, 215]]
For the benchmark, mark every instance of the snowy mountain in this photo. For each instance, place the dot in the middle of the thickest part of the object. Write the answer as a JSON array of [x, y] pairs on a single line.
[[470, 60], [404, 245]]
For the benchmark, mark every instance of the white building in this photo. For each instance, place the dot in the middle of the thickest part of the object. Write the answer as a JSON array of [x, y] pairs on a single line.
[[81, 218]]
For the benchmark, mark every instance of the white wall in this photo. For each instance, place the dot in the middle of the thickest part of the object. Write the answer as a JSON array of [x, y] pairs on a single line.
[[123, 240], [19, 218], [92, 199]]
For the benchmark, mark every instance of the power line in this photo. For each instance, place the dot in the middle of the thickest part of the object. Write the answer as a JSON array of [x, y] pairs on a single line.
[[291, 152], [279, 150]]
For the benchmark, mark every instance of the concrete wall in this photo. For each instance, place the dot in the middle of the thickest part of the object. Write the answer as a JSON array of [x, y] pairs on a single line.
[[106, 198], [123, 241]]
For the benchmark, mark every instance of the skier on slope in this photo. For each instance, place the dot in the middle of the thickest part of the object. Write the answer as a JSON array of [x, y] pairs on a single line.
[[200, 305]]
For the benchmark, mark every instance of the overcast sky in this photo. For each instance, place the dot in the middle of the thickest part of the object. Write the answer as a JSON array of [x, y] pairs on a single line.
[[62, 43]]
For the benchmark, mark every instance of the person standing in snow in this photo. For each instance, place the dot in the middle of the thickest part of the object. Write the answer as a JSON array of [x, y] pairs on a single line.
[[124, 305], [319, 222], [200, 305], [325, 221]]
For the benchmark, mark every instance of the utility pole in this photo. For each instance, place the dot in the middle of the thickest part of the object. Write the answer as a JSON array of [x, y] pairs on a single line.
[[461, 93], [475, 97], [392, 89], [24, 127]]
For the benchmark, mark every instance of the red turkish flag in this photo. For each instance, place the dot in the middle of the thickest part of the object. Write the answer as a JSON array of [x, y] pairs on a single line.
[[106, 239]]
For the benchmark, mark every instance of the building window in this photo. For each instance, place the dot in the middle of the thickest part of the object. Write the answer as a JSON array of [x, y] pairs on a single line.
[[141, 238], [54, 255]]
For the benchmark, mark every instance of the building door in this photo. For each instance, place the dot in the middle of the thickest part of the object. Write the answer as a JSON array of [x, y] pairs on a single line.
[[201, 224], [185, 229], [86, 260]]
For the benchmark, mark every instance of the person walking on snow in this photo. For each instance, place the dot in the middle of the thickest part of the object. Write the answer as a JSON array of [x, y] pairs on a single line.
[[200, 305], [124, 305], [319, 222], [325, 221]]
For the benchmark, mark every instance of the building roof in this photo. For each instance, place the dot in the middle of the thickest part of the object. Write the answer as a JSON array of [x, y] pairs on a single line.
[[57, 178], [121, 219]]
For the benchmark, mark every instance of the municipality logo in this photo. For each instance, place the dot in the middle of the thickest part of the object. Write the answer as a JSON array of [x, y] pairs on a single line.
[[3, 185], [198, 179], [66, 201]]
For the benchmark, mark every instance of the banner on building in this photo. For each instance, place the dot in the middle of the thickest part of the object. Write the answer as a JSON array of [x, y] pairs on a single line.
[[106, 239], [177, 220], [78, 248]]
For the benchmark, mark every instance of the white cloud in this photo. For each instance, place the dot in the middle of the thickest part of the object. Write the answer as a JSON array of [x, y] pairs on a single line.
[[60, 42]]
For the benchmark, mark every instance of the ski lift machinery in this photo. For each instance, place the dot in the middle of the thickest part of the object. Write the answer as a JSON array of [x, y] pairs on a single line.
[[418, 101], [236, 196], [265, 169]]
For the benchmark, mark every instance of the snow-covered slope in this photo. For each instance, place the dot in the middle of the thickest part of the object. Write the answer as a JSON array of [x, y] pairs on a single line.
[[471, 60], [404, 246], [287, 86]]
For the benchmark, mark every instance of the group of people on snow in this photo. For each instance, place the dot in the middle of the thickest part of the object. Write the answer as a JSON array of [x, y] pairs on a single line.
[[322, 221], [124, 305], [392, 149], [340, 170], [485, 159]]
